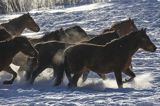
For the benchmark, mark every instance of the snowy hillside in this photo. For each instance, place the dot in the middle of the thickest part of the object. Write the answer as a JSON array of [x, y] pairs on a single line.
[[144, 91]]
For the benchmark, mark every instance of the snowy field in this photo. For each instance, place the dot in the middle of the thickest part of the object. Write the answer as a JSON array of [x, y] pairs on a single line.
[[143, 91]]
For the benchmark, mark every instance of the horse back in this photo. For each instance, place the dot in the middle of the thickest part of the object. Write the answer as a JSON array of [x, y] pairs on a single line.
[[104, 38]]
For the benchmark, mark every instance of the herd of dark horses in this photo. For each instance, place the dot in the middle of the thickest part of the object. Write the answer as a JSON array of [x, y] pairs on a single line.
[[71, 51]]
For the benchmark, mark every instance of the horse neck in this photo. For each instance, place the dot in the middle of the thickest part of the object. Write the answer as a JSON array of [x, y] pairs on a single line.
[[131, 45], [15, 26], [128, 44]]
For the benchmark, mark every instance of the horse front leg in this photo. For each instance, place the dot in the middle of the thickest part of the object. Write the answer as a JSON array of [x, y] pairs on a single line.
[[36, 72], [130, 73], [118, 76], [9, 70]]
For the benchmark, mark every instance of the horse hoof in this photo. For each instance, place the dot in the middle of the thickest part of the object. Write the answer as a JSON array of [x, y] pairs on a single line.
[[128, 80], [70, 85], [7, 82]]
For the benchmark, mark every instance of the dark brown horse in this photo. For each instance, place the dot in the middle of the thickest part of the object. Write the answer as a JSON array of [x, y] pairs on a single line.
[[57, 35], [51, 55], [76, 34], [123, 27], [16, 26], [8, 49], [112, 57], [72, 34]]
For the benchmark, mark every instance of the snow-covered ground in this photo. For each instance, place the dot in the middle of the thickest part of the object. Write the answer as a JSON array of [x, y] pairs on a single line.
[[144, 91]]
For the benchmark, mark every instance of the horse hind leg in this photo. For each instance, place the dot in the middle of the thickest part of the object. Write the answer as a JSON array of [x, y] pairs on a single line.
[[9, 70], [58, 74], [77, 75]]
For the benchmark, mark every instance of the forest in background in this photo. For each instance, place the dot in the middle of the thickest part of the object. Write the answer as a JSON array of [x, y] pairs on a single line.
[[10, 6]]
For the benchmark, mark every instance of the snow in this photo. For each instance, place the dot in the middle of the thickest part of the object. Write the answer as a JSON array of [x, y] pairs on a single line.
[[143, 91]]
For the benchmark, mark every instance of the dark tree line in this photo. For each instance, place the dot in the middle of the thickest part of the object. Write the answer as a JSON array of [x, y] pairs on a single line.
[[9, 6], [3, 7]]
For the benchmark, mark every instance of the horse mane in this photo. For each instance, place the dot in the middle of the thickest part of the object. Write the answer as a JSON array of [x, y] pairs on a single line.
[[120, 22], [16, 19]]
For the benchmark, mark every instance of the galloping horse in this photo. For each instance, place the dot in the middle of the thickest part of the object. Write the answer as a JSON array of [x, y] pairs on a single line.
[[112, 57], [51, 55], [49, 50], [16, 26], [123, 27], [8, 49], [74, 34]]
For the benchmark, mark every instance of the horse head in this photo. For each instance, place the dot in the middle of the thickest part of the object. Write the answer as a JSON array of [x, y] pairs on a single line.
[[144, 41], [30, 23]]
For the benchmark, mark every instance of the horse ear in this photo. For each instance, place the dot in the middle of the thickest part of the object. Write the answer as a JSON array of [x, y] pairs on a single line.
[[143, 29], [61, 29], [130, 19], [27, 13]]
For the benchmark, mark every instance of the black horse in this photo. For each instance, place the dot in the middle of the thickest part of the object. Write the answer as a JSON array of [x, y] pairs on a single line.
[[51, 55], [8, 49]]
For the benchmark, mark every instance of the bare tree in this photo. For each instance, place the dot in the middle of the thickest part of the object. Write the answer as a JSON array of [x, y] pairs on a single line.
[[3, 7]]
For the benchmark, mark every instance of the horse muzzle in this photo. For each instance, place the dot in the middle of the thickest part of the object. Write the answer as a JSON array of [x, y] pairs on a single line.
[[37, 29], [152, 48]]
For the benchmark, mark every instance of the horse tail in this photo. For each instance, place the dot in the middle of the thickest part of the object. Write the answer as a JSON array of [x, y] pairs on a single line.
[[67, 70], [59, 74]]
